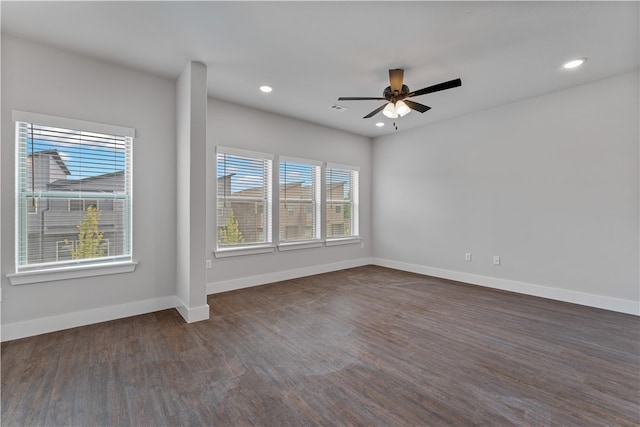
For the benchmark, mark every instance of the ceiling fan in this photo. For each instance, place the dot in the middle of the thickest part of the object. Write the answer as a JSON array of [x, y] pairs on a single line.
[[397, 93]]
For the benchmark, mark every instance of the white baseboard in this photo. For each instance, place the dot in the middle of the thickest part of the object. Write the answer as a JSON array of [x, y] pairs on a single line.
[[16, 330], [263, 279], [558, 294], [43, 325], [192, 314]]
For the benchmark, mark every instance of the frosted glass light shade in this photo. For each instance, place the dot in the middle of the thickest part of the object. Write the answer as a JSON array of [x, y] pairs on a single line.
[[402, 109], [390, 111]]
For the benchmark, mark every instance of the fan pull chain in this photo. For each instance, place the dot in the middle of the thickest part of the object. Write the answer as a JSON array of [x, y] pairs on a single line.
[[395, 126]]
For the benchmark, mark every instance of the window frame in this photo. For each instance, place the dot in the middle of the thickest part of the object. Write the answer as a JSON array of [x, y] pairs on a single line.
[[316, 205], [247, 248], [354, 202], [51, 271]]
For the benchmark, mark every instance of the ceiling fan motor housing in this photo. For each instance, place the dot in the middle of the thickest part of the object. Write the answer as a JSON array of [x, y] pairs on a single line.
[[393, 96]]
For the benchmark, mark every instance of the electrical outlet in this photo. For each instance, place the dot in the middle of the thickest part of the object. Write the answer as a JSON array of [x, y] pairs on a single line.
[[209, 265], [496, 260], [467, 256]]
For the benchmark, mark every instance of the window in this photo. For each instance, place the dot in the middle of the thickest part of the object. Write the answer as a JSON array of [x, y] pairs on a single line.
[[73, 192], [106, 205], [84, 204], [243, 198], [76, 205], [342, 201], [245, 220], [299, 199]]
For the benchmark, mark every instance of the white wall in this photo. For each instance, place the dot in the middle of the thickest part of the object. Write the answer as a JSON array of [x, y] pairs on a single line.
[[241, 127], [549, 184], [45, 80]]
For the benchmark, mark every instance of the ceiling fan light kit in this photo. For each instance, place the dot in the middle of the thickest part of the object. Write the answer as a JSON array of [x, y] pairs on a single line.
[[399, 109], [396, 95], [390, 111], [402, 109]]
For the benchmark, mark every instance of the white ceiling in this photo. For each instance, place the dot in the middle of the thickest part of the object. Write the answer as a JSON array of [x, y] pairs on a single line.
[[314, 52]]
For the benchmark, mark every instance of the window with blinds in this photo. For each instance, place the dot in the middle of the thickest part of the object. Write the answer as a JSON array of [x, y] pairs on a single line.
[[243, 198], [299, 200], [73, 192], [341, 184]]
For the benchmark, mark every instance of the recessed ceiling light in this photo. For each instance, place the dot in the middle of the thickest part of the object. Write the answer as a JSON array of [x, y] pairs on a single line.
[[266, 89], [379, 124], [574, 63]]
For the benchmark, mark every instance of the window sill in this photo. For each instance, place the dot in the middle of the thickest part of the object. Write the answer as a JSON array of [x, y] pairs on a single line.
[[343, 241], [75, 272], [306, 244], [287, 246], [246, 250]]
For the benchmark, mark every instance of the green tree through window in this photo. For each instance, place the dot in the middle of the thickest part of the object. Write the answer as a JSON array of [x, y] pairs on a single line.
[[230, 234], [89, 243]]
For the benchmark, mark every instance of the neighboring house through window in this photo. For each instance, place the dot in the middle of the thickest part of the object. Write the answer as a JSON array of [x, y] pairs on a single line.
[[73, 198]]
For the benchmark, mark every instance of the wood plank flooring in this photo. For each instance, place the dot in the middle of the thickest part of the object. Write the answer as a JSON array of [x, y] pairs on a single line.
[[367, 346]]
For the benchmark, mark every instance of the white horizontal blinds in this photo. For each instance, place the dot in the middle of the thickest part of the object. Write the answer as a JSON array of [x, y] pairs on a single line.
[[299, 200], [74, 196], [243, 198], [342, 201]]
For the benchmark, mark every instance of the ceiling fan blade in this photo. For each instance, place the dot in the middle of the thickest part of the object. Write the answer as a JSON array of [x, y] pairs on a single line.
[[396, 78], [356, 98], [416, 106], [374, 112], [436, 88]]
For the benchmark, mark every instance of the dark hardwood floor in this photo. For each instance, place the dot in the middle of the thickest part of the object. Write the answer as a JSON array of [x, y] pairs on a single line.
[[367, 346]]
